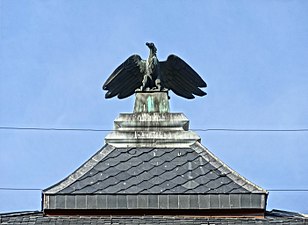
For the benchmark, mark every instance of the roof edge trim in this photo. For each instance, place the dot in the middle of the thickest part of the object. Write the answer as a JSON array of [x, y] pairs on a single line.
[[154, 201], [87, 166], [225, 169]]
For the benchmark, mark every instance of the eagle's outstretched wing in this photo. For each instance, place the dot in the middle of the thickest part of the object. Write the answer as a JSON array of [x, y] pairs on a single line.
[[178, 76], [126, 78]]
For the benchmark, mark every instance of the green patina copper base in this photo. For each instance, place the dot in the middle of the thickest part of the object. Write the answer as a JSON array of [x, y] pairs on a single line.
[[156, 101]]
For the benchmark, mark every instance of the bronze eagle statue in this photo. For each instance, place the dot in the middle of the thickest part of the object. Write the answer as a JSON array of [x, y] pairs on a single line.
[[136, 74]]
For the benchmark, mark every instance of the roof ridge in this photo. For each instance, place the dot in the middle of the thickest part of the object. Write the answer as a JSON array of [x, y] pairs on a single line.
[[225, 169], [87, 166]]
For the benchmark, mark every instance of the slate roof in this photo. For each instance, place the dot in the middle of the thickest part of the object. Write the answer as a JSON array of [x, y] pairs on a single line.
[[157, 178], [155, 171], [37, 218]]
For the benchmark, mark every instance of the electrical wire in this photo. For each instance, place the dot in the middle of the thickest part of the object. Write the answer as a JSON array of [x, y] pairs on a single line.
[[109, 130], [53, 129], [39, 189], [252, 130], [287, 190], [19, 189]]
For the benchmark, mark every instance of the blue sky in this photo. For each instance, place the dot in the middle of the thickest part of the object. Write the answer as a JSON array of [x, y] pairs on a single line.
[[55, 55]]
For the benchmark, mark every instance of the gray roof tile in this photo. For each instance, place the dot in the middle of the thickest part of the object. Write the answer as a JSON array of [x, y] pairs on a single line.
[[156, 180], [179, 180], [191, 184], [134, 189], [137, 170], [177, 189]]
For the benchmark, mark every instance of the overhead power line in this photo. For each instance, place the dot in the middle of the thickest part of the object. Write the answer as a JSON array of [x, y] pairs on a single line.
[[108, 130], [287, 190], [53, 129], [252, 130], [40, 189], [19, 189]]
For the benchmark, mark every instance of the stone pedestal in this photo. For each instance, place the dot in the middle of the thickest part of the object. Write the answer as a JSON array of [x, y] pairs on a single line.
[[151, 125], [148, 102], [164, 130]]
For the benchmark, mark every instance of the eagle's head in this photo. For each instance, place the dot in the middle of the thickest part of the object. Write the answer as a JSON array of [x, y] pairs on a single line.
[[151, 46]]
